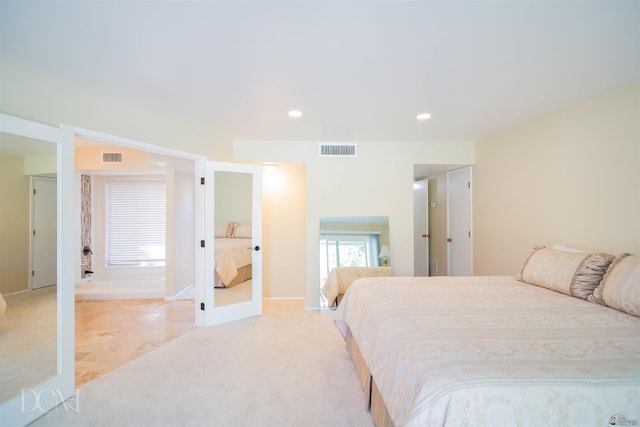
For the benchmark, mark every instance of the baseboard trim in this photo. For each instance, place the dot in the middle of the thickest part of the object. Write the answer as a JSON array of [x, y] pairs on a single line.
[[186, 293], [283, 298]]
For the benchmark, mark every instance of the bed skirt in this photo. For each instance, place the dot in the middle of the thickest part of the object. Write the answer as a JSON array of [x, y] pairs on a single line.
[[244, 274], [373, 399]]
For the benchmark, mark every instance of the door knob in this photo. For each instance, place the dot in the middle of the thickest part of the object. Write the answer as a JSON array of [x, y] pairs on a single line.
[[257, 248], [449, 239]]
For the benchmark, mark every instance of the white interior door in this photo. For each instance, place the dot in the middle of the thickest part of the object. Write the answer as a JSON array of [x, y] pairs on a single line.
[[459, 240], [421, 228], [27, 405], [43, 235], [232, 194]]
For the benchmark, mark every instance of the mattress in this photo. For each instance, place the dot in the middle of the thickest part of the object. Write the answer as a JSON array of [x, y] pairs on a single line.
[[452, 351]]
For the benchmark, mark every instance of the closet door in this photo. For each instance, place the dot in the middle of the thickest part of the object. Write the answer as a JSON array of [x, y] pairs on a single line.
[[459, 236], [233, 195]]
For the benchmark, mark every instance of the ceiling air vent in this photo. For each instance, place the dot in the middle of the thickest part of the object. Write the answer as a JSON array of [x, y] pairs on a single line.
[[112, 158], [337, 150]]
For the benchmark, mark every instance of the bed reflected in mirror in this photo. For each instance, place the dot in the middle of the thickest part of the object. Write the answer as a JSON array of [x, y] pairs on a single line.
[[232, 232], [28, 266], [351, 248]]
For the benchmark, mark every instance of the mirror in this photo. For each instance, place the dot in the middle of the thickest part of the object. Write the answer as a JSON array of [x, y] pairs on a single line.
[[233, 200], [350, 248], [28, 326]]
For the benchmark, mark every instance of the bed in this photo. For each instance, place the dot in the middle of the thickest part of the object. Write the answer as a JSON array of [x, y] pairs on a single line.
[[232, 254], [535, 349], [341, 277]]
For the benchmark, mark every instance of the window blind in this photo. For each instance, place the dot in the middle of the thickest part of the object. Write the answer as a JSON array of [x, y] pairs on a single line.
[[352, 248], [135, 222]]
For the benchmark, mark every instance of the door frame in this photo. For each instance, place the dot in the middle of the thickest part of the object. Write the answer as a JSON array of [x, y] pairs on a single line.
[[199, 166], [203, 259]]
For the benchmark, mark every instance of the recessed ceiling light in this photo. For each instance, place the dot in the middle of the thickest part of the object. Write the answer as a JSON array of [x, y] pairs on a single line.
[[295, 114], [423, 116]]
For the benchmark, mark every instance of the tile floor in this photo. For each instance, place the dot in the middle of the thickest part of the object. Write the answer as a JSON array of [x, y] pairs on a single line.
[[111, 333]]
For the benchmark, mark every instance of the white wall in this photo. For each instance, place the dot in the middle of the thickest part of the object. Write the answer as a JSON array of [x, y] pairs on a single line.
[[283, 232], [44, 165], [14, 225], [379, 182], [233, 198], [572, 177], [180, 269]]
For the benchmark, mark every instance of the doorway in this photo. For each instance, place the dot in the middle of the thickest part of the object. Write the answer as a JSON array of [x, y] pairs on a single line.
[[136, 223], [134, 309], [197, 255], [447, 211]]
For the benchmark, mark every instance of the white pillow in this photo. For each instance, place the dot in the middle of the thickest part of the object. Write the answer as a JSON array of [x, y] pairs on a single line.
[[224, 229], [242, 231], [566, 249]]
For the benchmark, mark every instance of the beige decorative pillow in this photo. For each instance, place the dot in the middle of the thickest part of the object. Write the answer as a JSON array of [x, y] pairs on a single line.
[[526, 261], [224, 229], [572, 273], [620, 287], [242, 231]]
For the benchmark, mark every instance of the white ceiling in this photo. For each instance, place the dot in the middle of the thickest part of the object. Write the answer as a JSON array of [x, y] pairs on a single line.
[[359, 70]]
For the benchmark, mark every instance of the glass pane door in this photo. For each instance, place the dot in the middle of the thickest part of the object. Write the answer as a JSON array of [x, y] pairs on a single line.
[[233, 242]]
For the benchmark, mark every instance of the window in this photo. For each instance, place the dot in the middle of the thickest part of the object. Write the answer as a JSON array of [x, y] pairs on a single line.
[[135, 222], [352, 249]]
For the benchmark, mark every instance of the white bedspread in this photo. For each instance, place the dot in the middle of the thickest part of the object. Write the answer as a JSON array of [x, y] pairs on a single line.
[[341, 277], [485, 351], [230, 255]]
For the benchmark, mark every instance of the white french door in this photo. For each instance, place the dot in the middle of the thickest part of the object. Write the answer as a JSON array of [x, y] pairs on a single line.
[[230, 193]]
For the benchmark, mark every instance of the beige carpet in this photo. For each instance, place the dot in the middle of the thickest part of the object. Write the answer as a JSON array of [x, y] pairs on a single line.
[[287, 367], [28, 332], [238, 293]]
